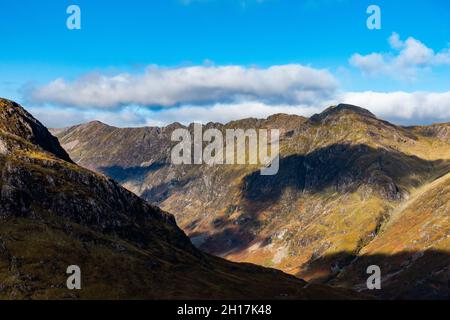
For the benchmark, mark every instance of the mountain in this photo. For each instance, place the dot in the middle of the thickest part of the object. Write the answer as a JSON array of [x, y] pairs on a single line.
[[18, 123], [351, 189], [414, 244], [439, 131], [54, 214]]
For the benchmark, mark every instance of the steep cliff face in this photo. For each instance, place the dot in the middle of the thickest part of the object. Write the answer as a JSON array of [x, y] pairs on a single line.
[[18, 122], [344, 175], [54, 214]]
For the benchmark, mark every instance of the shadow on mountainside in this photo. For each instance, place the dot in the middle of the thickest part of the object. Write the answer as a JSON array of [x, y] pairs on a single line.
[[163, 191], [405, 275], [338, 168], [341, 168], [121, 174]]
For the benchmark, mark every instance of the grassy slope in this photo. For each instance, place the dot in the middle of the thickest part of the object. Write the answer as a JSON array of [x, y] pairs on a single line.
[[416, 241]]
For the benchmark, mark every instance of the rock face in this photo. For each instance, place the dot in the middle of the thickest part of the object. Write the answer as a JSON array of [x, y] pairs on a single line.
[[440, 131], [345, 185], [54, 214], [17, 121]]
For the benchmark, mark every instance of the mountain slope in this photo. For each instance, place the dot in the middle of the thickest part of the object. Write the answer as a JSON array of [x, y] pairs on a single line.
[[54, 213], [18, 122], [343, 176], [416, 239], [440, 131]]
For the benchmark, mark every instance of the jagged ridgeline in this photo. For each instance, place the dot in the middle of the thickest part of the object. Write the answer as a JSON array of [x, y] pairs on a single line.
[[352, 190], [54, 213]]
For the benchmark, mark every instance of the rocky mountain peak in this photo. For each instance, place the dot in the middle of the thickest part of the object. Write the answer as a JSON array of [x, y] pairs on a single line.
[[341, 109], [96, 123], [16, 121]]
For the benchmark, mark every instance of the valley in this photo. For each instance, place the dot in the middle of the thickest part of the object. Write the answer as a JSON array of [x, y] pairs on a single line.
[[352, 189], [55, 214]]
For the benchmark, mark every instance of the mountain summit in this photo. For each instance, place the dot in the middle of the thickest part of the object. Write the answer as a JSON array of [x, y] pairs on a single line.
[[340, 109], [17, 121]]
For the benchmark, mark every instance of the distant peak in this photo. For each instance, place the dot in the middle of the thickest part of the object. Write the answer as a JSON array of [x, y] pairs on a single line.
[[354, 108], [285, 116], [17, 121], [340, 109], [173, 126], [96, 122]]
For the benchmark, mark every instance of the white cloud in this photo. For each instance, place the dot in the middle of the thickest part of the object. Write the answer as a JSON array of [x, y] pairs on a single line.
[[404, 107], [159, 96], [404, 62], [137, 117], [398, 107], [157, 86], [224, 113], [53, 117]]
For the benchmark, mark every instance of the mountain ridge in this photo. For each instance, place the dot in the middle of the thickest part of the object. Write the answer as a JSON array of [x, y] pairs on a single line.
[[55, 213], [343, 175]]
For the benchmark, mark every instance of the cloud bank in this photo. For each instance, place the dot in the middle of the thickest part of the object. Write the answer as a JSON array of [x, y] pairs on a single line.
[[132, 116], [399, 107], [159, 96], [403, 107], [169, 87]]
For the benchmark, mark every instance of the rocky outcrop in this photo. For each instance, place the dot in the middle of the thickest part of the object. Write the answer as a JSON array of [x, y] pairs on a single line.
[[440, 131], [17, 121]]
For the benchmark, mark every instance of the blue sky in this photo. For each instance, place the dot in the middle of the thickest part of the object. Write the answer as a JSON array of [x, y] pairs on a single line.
[[222, 39]]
